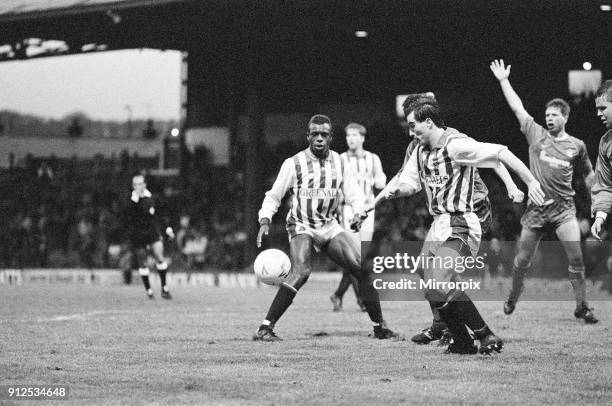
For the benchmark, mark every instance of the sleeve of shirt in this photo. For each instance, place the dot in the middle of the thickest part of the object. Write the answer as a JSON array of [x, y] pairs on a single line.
[[380, 179], [274, 196], [601, 193], [532, 130], [411, 147], [583, 163], [467, 151], [353, 195], [410, 173]]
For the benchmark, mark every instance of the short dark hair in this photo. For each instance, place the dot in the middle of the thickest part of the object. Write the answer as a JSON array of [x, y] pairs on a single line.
[[319, 119], [135, 174], [427, 109], [561, 105], [356, 126], [605, 91], [414, 99]]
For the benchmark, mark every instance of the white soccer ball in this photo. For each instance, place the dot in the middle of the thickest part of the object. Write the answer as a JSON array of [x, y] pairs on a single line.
[[272, 266]]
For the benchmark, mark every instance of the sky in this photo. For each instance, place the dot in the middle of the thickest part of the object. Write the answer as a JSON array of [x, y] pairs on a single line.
[[100, 84]]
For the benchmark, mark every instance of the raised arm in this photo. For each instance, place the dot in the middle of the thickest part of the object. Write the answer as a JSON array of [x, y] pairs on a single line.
[[502, 74]]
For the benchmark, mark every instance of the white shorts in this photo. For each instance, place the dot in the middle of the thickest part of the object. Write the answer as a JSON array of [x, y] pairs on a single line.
[[464, 227], [367, 227], [321, 236]]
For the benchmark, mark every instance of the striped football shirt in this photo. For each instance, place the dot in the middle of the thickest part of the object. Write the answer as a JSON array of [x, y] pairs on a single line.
[[447, 171], [368, 169], [316, 187]]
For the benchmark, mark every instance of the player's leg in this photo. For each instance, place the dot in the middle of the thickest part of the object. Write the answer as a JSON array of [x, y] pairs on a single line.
[[528, 244], [456, 308], [343, 286], [344, 252], [345, 281], [157, 251], [441, 298], [569, 235], [140, 256], [301, 247], [437, 328], [366, 234], [347, 278]]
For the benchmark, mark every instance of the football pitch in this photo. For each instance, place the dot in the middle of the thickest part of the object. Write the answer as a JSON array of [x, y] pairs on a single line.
[[111, 345]]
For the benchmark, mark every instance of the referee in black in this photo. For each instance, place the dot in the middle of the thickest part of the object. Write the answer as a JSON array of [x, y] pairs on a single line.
[[143, 224]]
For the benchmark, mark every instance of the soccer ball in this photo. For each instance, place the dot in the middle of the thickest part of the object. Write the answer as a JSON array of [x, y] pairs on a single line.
[[272, 266]]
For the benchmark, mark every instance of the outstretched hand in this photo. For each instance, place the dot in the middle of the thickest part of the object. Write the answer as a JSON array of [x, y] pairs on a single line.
[[499, 69]]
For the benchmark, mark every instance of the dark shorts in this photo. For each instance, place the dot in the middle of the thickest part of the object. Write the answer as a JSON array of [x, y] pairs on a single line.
[[145, 239], [551, 216]]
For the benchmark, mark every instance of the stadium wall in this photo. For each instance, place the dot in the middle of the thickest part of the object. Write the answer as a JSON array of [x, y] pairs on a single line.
[[68, 148]]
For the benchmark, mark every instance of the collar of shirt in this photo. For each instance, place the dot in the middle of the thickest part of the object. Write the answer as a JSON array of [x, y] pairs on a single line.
[[136, 197], [444, 138], [562, 137], [356, 154], [312, 156]]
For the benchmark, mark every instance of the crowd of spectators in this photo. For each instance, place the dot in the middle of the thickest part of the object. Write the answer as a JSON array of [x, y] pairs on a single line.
[[68, 213], [64, 213]]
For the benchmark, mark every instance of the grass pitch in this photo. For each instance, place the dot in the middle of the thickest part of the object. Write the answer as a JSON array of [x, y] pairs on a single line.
[[111, 345]]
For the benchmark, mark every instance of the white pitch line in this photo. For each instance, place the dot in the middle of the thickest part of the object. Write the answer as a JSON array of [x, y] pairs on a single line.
[[79, 316]]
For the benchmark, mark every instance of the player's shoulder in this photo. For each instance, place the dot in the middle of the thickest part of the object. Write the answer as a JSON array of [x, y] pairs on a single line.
[[606, 139], [576, 141], [334, 155], [297, 156], [411, 147], [453, 134], [372, 155], [605, 143]]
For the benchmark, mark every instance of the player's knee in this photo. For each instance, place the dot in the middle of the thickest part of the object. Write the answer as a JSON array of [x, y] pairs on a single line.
[[141, 257], [575, 260], [354, 265], [576, 271], [522, 261], [303, 269]]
